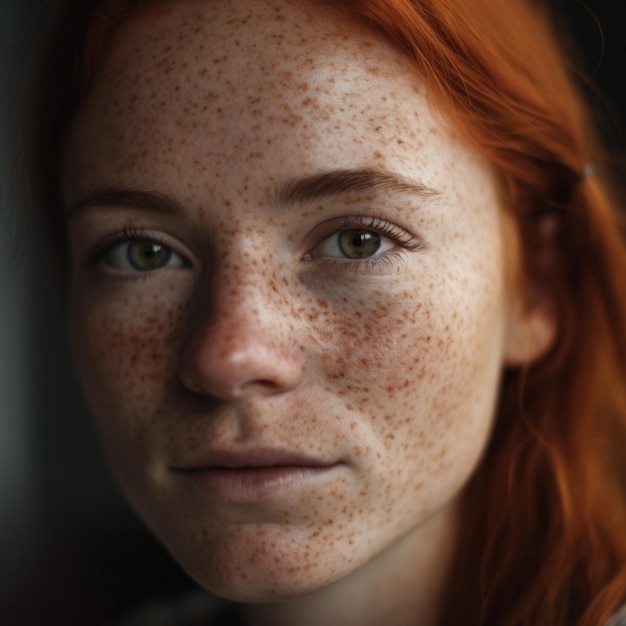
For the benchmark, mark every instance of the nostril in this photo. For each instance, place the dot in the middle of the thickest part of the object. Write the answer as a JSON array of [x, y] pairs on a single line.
[[262, 385]]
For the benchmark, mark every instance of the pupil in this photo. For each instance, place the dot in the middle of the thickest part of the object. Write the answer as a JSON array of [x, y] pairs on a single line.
[[145, 255], [359, 244]]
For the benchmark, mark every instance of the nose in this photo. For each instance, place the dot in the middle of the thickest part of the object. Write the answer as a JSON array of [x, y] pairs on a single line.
[[240, 347]]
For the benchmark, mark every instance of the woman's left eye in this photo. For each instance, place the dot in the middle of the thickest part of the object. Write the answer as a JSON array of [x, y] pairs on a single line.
[[354, 244], [142, 256]]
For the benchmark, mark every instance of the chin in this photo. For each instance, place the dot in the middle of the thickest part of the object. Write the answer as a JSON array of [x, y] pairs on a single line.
[[254, 565], [257, 585]]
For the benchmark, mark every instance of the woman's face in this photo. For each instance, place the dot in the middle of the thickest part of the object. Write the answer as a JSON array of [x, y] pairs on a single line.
[[288, 294]]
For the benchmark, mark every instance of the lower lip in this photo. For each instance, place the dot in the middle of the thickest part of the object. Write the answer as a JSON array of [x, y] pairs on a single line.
[[256, 484]]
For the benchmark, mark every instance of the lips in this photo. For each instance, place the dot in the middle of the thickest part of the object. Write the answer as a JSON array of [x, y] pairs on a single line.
[[254, 475], [253, 458]]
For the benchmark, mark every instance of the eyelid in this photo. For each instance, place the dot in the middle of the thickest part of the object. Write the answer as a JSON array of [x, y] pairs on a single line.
[[128, 235], [400, 236]]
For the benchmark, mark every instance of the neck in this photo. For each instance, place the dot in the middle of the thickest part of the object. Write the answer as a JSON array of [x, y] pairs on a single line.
[[402, 586]]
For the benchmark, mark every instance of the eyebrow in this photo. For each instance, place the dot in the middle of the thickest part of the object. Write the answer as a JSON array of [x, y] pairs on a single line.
[[295, 191], [129, 198], [345, 181]]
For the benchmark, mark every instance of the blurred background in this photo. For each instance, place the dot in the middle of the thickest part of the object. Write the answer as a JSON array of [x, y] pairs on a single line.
[[71, 552]]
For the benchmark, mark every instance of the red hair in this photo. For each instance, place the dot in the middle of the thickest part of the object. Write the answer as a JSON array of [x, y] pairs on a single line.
[[545, 540], [544, 534]]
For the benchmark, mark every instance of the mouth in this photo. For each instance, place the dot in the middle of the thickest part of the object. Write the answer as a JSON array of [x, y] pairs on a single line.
[[255, 475]]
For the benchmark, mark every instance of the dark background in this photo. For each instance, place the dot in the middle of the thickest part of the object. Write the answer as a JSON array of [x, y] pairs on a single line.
[[77, 555]]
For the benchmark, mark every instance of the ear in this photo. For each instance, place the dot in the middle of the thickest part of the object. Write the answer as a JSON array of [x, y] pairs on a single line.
[[530, 330]]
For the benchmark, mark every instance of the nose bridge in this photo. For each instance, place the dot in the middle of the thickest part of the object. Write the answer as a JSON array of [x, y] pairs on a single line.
[[241, 291], [239, 303], [244, 284], [240, 337]]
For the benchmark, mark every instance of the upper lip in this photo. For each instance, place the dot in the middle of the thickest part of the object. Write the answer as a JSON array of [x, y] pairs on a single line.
[[253, 457]]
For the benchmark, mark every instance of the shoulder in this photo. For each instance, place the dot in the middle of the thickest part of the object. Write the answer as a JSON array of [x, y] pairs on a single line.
[[619, 618], [194, 608]]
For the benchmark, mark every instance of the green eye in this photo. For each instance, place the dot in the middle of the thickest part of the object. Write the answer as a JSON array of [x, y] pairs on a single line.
[[142, 255], [354, 244], [147, 255], [358, 243]]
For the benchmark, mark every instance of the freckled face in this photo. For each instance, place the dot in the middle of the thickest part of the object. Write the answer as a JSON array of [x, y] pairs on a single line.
[[293, 264]]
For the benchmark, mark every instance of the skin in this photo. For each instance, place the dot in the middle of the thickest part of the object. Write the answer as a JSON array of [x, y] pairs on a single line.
[[257, 333]]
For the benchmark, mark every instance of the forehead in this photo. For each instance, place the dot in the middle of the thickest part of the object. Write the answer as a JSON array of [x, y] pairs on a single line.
[[261, 40], [250, 86]]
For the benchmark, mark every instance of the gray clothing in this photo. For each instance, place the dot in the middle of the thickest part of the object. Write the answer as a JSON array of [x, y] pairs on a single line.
[[198, 608]]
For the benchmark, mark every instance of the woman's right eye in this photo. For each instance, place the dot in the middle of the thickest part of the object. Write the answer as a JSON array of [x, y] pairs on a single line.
[[142, 255]]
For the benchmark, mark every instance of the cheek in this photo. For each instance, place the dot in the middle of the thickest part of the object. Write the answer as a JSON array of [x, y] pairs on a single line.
[[409, 345], [419, 369], [125, 351]]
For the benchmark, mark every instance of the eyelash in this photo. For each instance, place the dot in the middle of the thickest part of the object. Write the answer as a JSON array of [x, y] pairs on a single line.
[[128, 234], [404, 240]]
